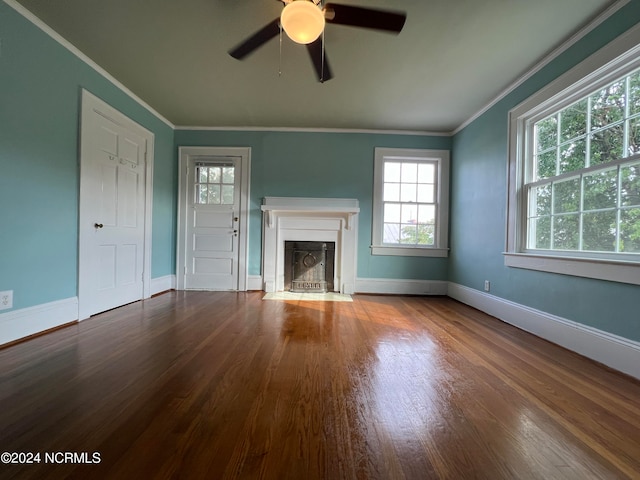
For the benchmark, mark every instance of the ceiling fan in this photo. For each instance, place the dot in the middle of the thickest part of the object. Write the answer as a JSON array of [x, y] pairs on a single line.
[[304, 20]]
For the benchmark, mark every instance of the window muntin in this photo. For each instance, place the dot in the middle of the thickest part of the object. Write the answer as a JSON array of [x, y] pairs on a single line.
[[214, 184], [410, 210], [583, 174], [409, 202]]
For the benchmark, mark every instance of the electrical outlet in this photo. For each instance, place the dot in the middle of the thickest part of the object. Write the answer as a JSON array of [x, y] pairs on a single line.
[[487, 285], [6, 299]]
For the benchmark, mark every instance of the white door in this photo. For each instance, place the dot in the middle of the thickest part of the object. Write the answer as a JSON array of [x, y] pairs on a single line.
[[112, 210], [213, 222]]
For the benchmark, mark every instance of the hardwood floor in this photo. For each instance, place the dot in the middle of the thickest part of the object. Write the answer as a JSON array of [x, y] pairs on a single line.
[[226, 385]]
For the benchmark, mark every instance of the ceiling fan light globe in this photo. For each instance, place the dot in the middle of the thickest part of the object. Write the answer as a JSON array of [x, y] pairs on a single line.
[[302, 21]]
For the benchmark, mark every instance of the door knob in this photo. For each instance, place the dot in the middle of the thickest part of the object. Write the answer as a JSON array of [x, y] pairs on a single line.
[[98, 225]]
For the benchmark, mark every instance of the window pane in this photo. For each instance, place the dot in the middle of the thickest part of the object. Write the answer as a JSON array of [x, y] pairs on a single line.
[[426, 173], [607, 106], [427, 214], [634, 94], [409, 173], [391, 233], [426, 193], [391, 192], [566, 196], [227, 194], [408, 192], [227, 174], [409, 234], [546, 164], [546, 132], [214, 194], [572, 156], [607, 145], [202, 194], [542, 228], [565, 232], [409, 214], [425, 234], [630, 230], [599, 231], [391, 172], [600, 190], [540, 201], [202, 174], [573, 121], [392, 213], [634, 136], [630, 187], [214, 174]]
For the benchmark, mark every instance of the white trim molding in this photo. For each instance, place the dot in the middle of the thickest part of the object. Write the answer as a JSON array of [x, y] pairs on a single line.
[[185, 154], [544, 62], [439, 159], [392, 286], [616, 59], [24, 322], [310, 219], [162, 284], [612, 350], [84, 58], [254, 282]]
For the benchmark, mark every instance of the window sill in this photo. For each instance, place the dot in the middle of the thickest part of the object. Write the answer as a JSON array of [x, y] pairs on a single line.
[[611, 270], [409, 251]]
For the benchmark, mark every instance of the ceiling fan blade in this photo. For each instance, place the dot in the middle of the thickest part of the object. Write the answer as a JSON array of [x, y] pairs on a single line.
[[319, 60], [387, 20], [256, 40]]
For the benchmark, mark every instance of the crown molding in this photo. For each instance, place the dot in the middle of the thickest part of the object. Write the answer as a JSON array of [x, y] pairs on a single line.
[[316, 130], [555, 53], [75, 51]]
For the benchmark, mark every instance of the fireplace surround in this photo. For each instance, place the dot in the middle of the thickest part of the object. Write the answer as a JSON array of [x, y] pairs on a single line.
[[302, 219]]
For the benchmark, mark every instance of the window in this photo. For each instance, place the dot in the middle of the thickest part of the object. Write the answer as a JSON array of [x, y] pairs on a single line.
[[214, 184], [410, 215], [574, 186]]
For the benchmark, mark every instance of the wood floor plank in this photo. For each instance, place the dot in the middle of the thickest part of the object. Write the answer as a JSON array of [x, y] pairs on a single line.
[[225, 385]]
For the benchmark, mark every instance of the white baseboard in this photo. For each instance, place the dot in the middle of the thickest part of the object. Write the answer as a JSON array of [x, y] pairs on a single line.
[[29, 321], [400, 287], [614, 351], [162, 284], [254, 282]]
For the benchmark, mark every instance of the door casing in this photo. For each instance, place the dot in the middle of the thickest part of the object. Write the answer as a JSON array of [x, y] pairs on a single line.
[[183, 204]]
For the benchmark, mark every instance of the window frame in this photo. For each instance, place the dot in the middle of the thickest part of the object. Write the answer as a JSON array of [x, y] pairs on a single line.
[[617, 59], [440, 248]]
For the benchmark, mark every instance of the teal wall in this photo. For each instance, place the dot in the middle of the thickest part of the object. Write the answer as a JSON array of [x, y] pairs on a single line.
[[478, 211], [40, 85], [291, 164]]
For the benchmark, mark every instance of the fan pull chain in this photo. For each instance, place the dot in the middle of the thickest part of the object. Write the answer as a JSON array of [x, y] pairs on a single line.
[[280, 59], [322, 62]]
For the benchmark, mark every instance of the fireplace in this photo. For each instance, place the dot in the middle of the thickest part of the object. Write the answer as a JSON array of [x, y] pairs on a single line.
[[308, 266], [327, 221]]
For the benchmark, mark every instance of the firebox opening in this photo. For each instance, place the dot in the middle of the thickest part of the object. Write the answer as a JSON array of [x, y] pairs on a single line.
[[309, 266]]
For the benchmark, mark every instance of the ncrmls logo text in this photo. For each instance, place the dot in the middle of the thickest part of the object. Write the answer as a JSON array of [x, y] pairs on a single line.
[[72, 457]]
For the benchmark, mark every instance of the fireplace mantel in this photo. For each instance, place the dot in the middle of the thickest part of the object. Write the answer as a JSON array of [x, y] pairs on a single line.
[[310, 219]]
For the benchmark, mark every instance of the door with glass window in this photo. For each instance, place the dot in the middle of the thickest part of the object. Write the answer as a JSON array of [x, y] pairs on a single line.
[[212, 223]]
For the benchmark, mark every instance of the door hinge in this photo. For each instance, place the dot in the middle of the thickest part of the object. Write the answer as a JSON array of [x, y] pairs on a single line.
[[185, 270]]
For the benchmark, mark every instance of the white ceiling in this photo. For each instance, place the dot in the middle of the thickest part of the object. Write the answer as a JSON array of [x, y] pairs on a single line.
[[452, 59]]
